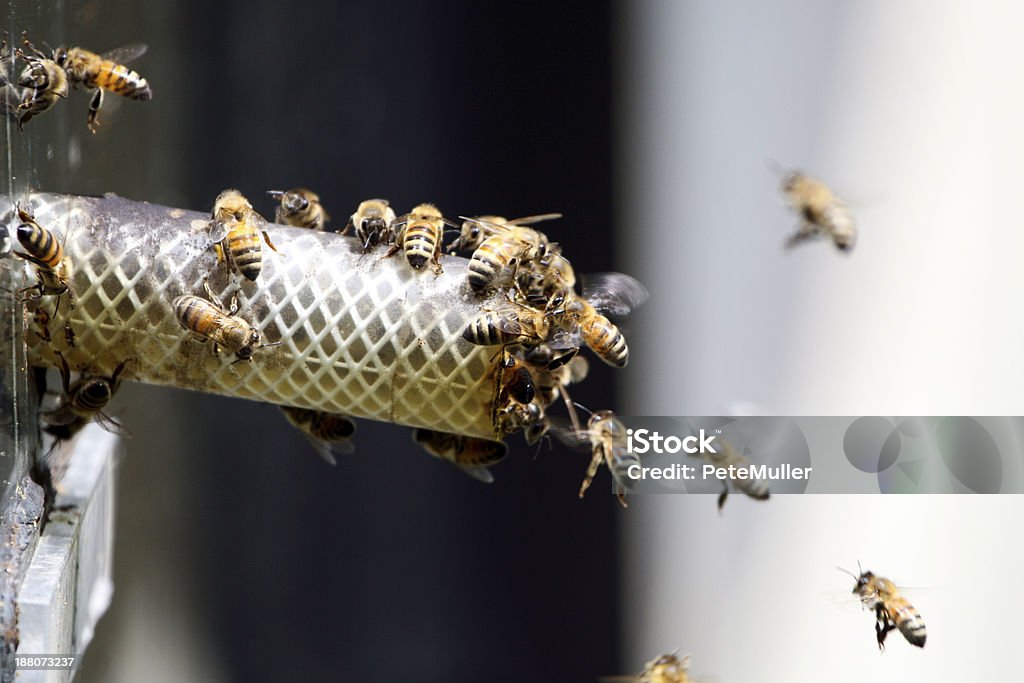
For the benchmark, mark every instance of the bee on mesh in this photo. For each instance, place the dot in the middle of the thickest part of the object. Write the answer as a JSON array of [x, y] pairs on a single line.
[[236, 231], [46, 253], [470, 454], [419, 235], [504, 247], [207, 320], [300, 208], [374, 222], [329, 433]]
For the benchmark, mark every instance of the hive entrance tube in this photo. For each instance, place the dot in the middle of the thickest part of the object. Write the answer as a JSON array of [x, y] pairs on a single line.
[[360, 334]]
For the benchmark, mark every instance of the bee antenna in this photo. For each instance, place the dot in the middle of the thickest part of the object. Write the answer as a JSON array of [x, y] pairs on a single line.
[[582, 407], [847, 571], [276, 194]]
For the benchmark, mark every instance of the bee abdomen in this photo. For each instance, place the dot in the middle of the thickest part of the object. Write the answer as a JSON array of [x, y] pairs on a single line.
[[333, 427], [480, 452], [912, 627], [94, 396], [246, 254], [486, 330], [755, 488], [193, 313], [487, 262], [605, 339], [119, 79], [41, 244], [420, 245]]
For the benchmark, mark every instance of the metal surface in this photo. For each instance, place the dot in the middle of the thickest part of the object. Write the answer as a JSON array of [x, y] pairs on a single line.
[[362, 335]]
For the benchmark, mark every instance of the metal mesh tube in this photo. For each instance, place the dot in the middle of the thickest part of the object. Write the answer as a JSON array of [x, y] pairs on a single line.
[[360, 334]]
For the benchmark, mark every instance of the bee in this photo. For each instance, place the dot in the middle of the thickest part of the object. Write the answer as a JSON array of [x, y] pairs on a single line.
[[46, 254], [727, 455], [514, 379], [511, 416], [235, 229], [472, 455], [892, 610], [300, 208], [374, 223], [823, 212], [475, 230], [546, 279], [552, 382], [607, 436], [516, 324], [419, 235], [328, 432], [47, 79], [104, 72], [82, 402], [209, 321], [580, 317], [662, 669]]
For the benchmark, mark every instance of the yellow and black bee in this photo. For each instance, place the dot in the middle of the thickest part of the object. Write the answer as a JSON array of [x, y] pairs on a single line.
[[300, 208], [82, 402], [515, 324], [236, 230], [892, 610], [47, 254], [104, 72], [45, 81], [420, 234], [472, 455], [209, 321], [373, 222], [329, 433]]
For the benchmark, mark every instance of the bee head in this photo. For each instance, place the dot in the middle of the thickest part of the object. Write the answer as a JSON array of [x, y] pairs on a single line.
[[293, 202], [245, 353], [863, 580], [60, 55]]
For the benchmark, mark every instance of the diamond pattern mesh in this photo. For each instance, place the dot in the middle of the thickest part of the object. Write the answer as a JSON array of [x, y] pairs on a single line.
[[360, 335]]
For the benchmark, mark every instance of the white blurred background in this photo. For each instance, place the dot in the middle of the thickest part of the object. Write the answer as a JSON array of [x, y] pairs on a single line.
[[911, 113]]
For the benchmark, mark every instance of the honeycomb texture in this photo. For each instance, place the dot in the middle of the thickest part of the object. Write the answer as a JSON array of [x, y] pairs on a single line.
[[362, 335]]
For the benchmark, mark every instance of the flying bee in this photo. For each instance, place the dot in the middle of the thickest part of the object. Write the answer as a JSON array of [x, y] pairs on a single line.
[[235, 229], [515, 324], [472, 455], [104, 72], [46, 254], [47, 79], [329, 433], [420, 234], [892, 610], [82, 402], [728, 455], [822, 211], [581, 316], [475, 230], [607, 437], [300, 208], [208, 321], [662, 669], [373, 222]]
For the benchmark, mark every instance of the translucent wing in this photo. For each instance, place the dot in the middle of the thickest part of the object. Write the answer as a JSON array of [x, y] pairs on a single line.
[[530, 220], [218, 230], [328, 449], [125, 53], [614, 293], [478, 472], [112, 425]]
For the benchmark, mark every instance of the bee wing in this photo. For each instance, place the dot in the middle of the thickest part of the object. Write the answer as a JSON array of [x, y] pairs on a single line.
[[218, 230], [125, 53], [112, 425], [530, 220], [478, 472], [327, 449], [614, 293], [576, 440], [58, 417]]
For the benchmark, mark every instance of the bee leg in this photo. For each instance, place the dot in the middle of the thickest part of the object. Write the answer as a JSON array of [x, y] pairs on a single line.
[[65, 373], [882, 626], [94, 110], [266, 238], [722, 496], [393, 250], [348, 226], [213, 297]]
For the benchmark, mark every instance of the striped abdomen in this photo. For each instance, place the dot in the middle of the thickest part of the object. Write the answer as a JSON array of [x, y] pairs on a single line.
[[488, 261], [117, 78], [421, 242], [321, 425], [243, 250], [199, 316], [604, 338], [909, 621], [42, 246], [92, 395], [492, 329]]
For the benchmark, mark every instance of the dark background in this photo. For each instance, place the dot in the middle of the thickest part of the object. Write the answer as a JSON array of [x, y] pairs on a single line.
[[392, 565]]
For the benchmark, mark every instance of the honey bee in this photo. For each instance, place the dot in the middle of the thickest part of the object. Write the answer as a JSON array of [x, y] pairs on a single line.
[[209, 321], [505, 249], [511, 416], [727, 455], [329, 433], [607, 436], [374, 223], [47, 79], [551, 381], [892, 610], [420, 233], [46, 254], [475, 230], [235, 229], [473, 456], [515, 324], [300, 208], [662, 669], [104, 72], [514, 379], [823, 212], [546, 279], [580, 317], [82, 402]]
